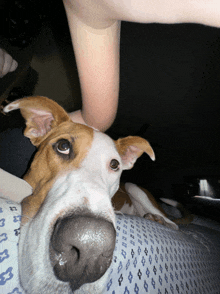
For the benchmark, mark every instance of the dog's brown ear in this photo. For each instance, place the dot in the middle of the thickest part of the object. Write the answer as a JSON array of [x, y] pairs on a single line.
[[41, 115], [130, 148]]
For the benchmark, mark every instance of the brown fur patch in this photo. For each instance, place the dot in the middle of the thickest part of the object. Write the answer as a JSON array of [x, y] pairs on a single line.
[[47, 165], [120, 198]]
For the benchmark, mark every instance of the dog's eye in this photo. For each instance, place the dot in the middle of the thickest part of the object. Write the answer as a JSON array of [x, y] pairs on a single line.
[[63, 146], [114, 164], [64, 149]]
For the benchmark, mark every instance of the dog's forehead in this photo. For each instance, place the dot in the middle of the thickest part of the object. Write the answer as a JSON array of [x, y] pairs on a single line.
[[88, 142], [80, 134], [94, 138], [74, 129], [103, 145]]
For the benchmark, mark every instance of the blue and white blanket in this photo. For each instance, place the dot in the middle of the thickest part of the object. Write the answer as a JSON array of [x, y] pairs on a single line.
[[148, 257]]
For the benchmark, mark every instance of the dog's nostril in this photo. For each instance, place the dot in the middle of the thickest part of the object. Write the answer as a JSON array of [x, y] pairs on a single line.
[[81, 249], [75, 251]]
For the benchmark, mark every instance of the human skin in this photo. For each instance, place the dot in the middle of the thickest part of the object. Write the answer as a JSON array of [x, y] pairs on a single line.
[[95, 31]]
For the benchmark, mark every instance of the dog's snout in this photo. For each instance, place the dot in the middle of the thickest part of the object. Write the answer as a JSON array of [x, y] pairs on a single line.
[[81, 249]]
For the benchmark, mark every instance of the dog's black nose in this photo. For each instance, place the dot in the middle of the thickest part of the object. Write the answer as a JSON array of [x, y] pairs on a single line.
[[81, 249]]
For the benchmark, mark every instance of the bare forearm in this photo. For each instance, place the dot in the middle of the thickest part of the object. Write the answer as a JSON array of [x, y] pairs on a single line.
[[99, 78], [97, 57]]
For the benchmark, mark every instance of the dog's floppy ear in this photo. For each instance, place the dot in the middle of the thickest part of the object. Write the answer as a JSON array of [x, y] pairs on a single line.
[[130, 148], [41, 115]]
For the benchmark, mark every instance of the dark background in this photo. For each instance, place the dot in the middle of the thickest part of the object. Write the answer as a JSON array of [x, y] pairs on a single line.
[[169, 94]]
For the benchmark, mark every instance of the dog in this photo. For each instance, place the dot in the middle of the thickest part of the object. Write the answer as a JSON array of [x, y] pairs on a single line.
[[68, 223]]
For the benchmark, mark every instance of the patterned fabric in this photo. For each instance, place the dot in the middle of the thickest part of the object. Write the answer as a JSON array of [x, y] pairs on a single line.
[[10, 216], [148, 257]]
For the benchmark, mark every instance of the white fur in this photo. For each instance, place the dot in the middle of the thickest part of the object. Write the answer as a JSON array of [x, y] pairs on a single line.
[[142, 203], [94, 182], [11, 107], [171, 202], [128, 209]]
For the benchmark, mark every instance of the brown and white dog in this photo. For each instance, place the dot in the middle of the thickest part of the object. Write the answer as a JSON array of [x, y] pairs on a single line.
[[68, 223]]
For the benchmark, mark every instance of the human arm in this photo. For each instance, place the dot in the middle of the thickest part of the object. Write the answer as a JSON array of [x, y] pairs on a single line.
[[92, 22], [7, 63], [97, 56]]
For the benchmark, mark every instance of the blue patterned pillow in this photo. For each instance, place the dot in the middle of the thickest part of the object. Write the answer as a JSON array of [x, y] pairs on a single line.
[[10, 216], [148, 257]]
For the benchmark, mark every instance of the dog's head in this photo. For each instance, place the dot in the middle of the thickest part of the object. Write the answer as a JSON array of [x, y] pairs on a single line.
[[68, 223]]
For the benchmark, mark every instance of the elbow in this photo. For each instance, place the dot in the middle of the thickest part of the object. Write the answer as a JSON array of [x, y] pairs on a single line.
[[99, 121]]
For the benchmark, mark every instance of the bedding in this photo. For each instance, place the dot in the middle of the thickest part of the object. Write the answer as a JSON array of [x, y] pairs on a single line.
[[148, 257]]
